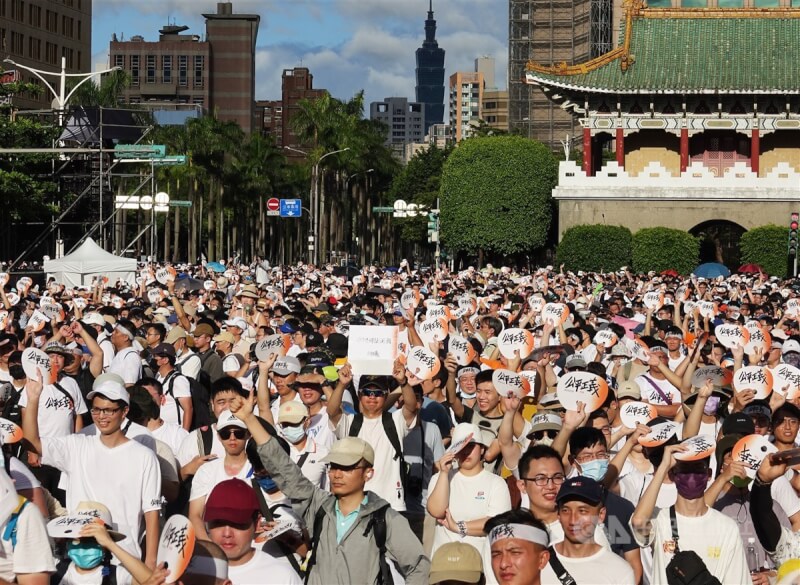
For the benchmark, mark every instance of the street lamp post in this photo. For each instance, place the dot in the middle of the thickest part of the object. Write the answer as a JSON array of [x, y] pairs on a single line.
[[316, 205]]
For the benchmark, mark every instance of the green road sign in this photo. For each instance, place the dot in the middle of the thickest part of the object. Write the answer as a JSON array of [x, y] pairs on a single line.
[[179, 159], [180, 203], [148, 151], [382, 209]]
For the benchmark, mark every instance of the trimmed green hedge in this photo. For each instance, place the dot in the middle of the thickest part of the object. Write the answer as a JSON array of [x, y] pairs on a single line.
[[595, 248], [662, 248], [767, 247]]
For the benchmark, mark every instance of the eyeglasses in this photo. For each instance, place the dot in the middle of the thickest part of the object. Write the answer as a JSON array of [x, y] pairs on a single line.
[[790, 420], [543, 480], [104, 411], [539, 435], [373, 393], [344, 468], [591, 457], [225, 434]]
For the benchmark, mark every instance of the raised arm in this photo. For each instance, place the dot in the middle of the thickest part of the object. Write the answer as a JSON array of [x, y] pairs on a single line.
[[334, 407], [30, 415]]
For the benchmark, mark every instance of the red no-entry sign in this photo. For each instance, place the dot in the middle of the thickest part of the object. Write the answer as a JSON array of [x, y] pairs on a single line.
[[273, 206]]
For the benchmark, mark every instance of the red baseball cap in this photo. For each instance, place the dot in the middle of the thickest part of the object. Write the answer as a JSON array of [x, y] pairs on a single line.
[[233, 501]]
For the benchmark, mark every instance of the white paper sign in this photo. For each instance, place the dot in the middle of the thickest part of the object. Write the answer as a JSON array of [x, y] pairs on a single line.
[[372, 350]]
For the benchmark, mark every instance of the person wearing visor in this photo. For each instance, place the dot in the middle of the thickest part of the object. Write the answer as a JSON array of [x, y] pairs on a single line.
[[126, 363], [462, 499], [347, 547]]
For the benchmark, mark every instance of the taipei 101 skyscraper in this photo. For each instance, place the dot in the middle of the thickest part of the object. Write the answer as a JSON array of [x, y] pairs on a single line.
[[430, 74]]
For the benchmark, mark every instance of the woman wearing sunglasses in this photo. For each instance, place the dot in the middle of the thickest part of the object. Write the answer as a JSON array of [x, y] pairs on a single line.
[[233, 435]]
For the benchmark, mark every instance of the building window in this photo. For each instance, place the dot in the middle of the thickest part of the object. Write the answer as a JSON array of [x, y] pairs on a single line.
[[119, 61], [18, 10], [199, 65], [198, 101], [51, 53], [183, 68], [17, 42], [69, 57], [34, 48], [151, 69], [166, 66], [35, 15], [67, 23], [80, 31], [135, 70]]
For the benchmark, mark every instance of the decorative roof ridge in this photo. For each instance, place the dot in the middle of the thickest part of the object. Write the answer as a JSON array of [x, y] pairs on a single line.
[[716, 13], [632, 8]]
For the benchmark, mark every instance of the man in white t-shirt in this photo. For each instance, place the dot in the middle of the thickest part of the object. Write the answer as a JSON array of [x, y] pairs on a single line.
[[223, 344], [186, 361], [107, 467], [580, 511], [126, 363], [655, 384], [26, 557], [170, 433], [176, 404], [230, 517], [373, 425]]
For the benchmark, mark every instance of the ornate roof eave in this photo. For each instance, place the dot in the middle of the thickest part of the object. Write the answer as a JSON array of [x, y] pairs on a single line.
[[543, 82]]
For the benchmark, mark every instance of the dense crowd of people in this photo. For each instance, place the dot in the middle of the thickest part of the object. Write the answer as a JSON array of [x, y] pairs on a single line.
[[235, 424]]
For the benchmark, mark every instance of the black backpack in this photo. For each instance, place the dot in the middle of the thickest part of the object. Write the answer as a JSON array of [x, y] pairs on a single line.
[[391, 433], [686, 566], [201, 410], [377, 523]]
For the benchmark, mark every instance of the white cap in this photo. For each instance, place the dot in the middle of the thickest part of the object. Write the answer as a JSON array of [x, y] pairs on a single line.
[[94, 319], [237, 322], [228, 419], [464, 430], [110, 389], [790, 346]]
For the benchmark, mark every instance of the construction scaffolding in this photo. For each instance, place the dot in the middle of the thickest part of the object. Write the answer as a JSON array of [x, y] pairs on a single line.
[[87, 178], [551, 31]]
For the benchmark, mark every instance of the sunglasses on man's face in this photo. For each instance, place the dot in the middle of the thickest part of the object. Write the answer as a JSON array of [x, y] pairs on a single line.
[[539, 435], [373, 393], [307, 386], [225, 434]]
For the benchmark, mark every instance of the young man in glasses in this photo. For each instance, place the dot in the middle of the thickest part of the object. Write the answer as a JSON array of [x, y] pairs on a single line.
[[345, 524], [105, 467], [384, 431], [233, 435]]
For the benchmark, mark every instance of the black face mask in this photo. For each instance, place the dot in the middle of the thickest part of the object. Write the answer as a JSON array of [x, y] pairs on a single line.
[[17, 372]]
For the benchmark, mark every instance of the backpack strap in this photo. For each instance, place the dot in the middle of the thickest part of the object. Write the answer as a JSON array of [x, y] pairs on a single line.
[[391, 433], [66, 394], [169, 381], [673, 523], [558, 568], [302, 460], [205, 438], [378, 522], [318, 518], [10, 533], [663, 396]]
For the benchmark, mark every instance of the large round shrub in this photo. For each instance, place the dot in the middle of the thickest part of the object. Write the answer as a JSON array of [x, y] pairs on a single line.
[[661, 248], [595, 248], [767, 247]]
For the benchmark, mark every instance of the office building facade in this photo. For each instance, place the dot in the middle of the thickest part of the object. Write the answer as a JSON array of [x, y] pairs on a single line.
[[466, 95], [216, 75], [404, 121], [37, 34]]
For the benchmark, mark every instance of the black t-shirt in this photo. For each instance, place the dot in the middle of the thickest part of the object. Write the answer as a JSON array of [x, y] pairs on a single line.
[[617, 523]]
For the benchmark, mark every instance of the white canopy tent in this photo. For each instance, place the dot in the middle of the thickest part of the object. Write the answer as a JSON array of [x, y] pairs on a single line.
[[88, 261]]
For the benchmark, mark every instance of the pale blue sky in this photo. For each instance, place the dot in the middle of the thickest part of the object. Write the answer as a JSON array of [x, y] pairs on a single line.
[[347, 44]]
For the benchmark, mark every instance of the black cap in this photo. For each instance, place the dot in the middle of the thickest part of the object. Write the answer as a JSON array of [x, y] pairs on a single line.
[[314, 339], [337, 343], [164, 349], [738, 423], [580, 488]]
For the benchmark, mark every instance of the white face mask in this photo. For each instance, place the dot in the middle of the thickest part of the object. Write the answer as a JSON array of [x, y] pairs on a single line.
[[546, 441], [294, 434]]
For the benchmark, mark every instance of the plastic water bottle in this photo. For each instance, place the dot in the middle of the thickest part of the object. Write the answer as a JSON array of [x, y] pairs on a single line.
[[752, 556]]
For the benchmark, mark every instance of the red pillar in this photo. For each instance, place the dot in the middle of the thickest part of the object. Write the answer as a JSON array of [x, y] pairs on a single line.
[[684, 149], [587, 151], [755, 149], [620, 146]]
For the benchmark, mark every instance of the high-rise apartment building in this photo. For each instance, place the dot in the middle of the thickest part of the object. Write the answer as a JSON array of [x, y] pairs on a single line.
[[296, 84], [404, 120], [466, 94], [430, 74], [551, 31], [216, 74], [37, 34], [494, 109]]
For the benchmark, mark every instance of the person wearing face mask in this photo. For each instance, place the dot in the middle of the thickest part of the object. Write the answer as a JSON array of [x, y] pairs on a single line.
[[710, 534], [86, 561], [304, 451], [589, 457]]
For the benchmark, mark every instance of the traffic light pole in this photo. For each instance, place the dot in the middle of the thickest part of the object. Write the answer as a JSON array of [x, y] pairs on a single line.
[[794, 223]]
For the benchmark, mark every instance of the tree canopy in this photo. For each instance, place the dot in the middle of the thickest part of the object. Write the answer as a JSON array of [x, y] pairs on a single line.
[[496, 195]]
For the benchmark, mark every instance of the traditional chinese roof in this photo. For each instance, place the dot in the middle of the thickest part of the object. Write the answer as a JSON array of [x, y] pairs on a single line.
[[690, 51]]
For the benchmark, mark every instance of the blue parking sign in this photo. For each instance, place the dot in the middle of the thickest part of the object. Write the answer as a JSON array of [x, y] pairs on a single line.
[[291, 208]]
